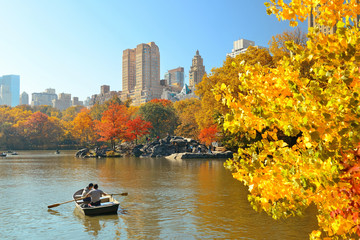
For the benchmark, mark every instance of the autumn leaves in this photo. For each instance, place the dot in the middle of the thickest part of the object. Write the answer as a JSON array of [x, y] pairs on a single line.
[[296, 118]]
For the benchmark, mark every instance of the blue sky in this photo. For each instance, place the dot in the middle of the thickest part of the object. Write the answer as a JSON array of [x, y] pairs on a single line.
[[75, 46]]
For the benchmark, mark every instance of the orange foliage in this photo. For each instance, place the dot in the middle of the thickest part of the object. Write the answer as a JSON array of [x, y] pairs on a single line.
[[208, 135], [113, 123], [164, 102], [136, 128]]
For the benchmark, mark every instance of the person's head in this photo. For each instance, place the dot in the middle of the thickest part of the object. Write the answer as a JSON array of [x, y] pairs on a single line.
[[96, 186], [91, 185]]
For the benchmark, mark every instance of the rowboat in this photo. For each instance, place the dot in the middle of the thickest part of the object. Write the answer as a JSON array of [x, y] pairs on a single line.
[[3, 154], [108, 205]]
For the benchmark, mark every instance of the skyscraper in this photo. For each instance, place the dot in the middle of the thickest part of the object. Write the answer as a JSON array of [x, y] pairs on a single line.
[[43, 98], [10, 90], [241, 46], [24, 99], [128, 70], [312, 23], [175, 77], [197, 70], [141, 73]]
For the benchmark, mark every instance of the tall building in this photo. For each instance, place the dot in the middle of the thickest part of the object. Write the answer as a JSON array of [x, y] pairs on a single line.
[[24, 99], [105, 95], [312, 23], [197, 70], [76, 102], [128, 70], [141, 73], [10, 90], [175, 77], [63, 102], [241, 46], [43, 98]]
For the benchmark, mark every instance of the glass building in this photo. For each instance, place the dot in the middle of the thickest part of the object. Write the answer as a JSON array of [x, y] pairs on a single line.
[[10, 90]]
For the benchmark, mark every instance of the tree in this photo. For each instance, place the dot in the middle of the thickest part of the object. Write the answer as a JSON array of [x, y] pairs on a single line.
[[48, 110], [83, 128], [226, 74], [162, 116], [278, 44], [318, 107], [211, 110], [70, 113], [137, 127], [208, 135], [164, 102], [41, 130], [187, 110], [10, 137], [113, 124]]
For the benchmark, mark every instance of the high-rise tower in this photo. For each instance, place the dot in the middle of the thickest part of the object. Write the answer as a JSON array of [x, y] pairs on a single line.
[[141, 73], [197, 70], [10, 90], [128, 70], [175, 77], [312, 23]]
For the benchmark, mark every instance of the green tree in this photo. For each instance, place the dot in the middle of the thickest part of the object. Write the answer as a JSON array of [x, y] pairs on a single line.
[[162, 116]]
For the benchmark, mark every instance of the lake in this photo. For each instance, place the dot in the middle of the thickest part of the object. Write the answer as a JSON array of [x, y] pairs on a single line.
[[188, 199]]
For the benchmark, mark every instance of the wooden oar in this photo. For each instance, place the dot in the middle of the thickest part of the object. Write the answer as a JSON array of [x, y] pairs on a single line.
[[58, 204], [122, 194]]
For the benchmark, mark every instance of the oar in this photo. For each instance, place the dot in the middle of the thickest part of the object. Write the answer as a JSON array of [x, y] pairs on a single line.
[[122, 194], [58, 204]]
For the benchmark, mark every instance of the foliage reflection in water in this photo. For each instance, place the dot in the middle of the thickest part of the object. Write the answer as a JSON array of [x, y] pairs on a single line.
[[189, 199]]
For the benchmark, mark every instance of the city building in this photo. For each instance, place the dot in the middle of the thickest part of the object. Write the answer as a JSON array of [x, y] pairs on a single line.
[[128, 70], [63, 102], [173, 94], [141, 73], [105, 95], [312, 23], [197, 70], [10, 90], [241, 46], [24, 99], [76, 102], [44, 98], [175, 77], [87, 102]]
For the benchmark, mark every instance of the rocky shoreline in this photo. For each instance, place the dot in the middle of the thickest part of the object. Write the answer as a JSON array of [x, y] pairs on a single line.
[[170, 145], [181, 156]]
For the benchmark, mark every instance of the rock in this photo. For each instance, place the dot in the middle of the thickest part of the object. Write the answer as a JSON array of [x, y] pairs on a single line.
[[137, 150], [82, 153], [179, 156]]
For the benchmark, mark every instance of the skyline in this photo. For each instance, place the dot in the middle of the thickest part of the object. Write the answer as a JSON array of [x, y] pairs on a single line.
[[75, 47]]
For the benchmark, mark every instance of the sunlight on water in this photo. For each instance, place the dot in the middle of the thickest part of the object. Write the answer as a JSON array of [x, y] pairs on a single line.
[[189, 199]]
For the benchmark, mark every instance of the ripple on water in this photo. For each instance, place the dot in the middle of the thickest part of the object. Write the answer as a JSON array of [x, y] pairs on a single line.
[[167, 200]]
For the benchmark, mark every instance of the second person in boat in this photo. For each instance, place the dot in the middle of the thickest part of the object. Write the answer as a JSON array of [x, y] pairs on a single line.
[[95, 195]]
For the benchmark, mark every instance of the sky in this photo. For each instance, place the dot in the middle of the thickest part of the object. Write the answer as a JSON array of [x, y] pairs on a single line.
[[75, 46]]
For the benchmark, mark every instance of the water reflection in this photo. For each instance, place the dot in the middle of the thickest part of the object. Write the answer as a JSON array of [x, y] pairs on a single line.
[[94, 224], [191, 199], [53, 212]]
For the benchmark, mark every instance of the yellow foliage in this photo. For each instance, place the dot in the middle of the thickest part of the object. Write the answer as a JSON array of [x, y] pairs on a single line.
[[310, 100]]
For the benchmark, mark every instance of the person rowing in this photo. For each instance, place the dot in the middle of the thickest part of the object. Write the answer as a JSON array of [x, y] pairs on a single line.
[[95, 195], [86, 190]]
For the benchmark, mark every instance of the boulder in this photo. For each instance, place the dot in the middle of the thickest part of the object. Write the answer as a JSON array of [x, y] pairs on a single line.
[[82, 153]]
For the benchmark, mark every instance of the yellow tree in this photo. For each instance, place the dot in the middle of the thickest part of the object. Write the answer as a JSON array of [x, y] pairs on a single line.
[[227, 74], [318, 106], [188, 110], [83, 128]]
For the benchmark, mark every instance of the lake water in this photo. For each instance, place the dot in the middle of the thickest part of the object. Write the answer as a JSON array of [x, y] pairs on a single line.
[[189, 199]]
